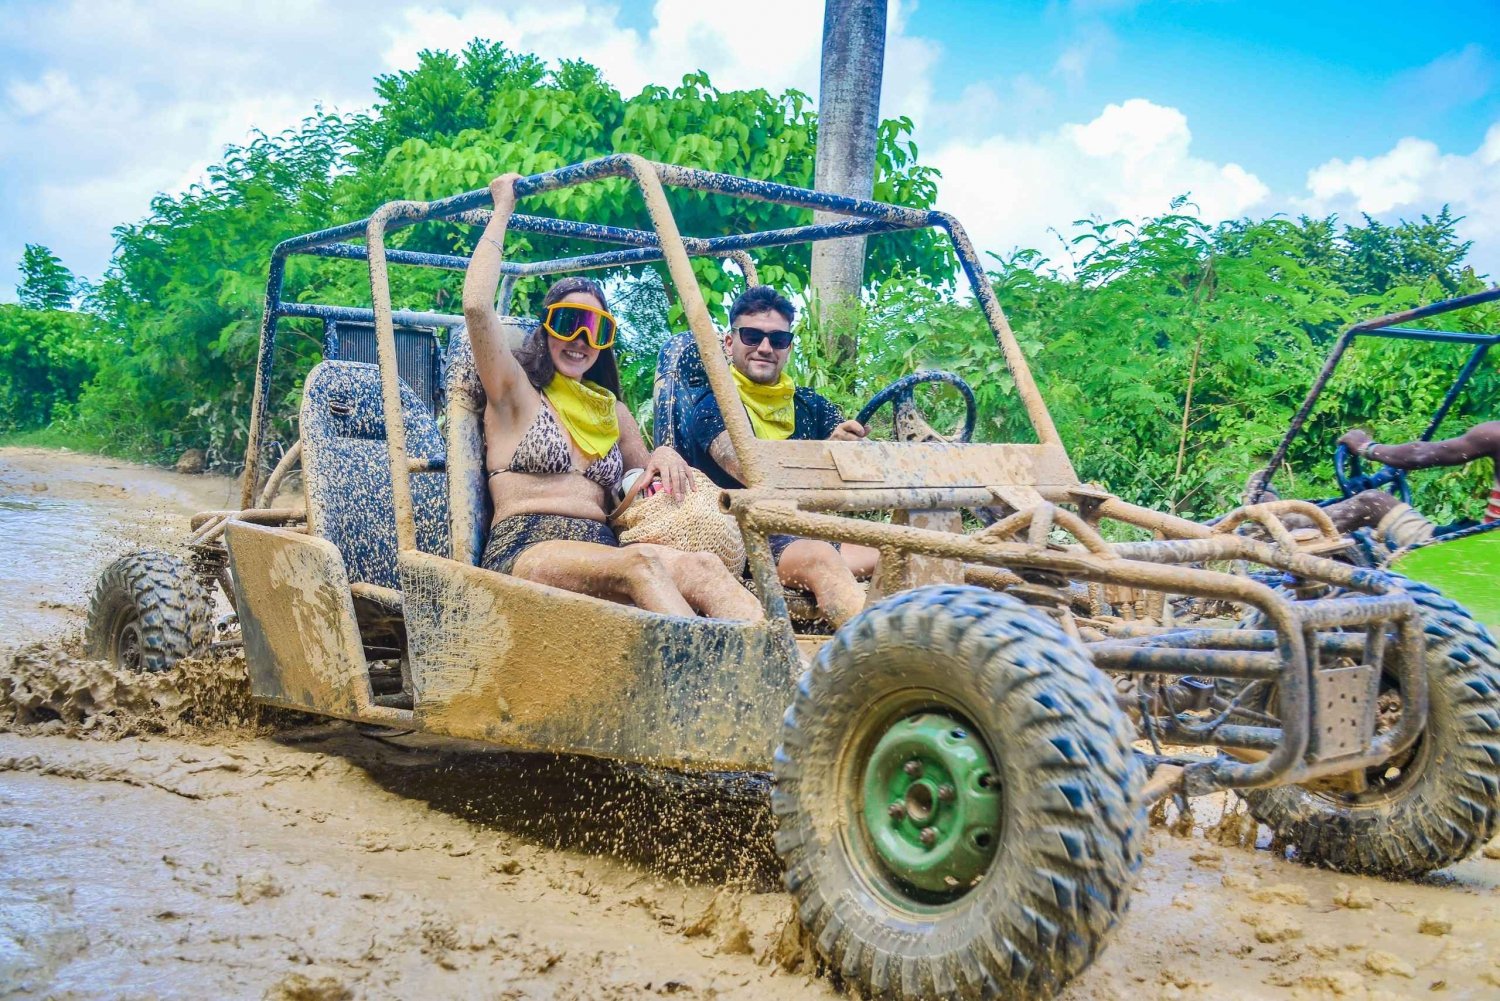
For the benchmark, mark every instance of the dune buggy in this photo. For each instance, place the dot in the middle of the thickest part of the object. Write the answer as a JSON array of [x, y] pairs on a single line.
[[959, 792], [1464, 562]]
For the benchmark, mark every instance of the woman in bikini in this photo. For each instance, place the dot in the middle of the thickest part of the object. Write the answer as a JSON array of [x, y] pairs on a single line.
[[557, 440]]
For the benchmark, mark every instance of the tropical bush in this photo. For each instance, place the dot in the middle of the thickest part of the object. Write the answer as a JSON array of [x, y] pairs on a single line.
[[1172, 353]]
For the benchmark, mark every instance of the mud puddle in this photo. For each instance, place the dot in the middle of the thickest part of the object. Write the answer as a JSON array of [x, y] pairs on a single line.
[[64, 515], [174, 855]]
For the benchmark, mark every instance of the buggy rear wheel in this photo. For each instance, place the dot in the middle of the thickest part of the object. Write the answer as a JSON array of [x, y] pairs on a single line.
[[148, 611], [957, 801], [1435, 804]]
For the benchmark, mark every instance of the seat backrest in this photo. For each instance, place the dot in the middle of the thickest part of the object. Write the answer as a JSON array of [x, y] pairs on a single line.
[[681, 383], [417, 351], [469, 507], [347, 474]]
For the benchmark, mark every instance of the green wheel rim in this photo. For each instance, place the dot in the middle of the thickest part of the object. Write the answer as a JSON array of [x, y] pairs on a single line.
[[931, 803]]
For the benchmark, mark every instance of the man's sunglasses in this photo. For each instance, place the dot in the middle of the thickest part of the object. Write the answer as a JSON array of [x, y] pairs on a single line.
[[566, 320], [752, 336]]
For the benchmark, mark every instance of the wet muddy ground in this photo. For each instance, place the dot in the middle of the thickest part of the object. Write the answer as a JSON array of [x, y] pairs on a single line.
[[260, 857]]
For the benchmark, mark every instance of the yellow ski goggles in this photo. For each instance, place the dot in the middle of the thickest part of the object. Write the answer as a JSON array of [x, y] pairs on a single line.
[[567, 320]]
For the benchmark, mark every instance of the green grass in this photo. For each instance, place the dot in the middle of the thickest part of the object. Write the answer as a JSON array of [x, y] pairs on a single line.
[[54, 437]]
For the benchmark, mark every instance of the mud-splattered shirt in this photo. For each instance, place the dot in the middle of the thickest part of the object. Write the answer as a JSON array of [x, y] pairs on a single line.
[[816, 419]]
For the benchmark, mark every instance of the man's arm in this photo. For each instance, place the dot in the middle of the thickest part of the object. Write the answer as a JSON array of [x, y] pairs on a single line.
[[721, 450], [1479, 441], [828, 423]]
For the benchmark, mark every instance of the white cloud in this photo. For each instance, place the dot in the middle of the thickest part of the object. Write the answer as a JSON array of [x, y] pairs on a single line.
[[103, 105], [1416, 177], [1128, 162], [1449, 81], [1092, 45], [738, 52]]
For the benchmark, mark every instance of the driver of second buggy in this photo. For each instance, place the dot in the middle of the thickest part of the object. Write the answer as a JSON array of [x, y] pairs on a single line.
[[758, 345]]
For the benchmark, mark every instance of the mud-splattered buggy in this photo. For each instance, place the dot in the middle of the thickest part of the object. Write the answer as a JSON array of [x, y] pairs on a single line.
[[959, 794], [1464, 563]]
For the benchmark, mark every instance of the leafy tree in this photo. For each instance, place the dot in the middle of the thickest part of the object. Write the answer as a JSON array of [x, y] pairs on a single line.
[[187, 283], [1381, 257], [46, 355], [45, 283]]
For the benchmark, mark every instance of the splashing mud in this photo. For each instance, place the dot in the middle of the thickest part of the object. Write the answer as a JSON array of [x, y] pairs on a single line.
[[162, 837], [50, 688]]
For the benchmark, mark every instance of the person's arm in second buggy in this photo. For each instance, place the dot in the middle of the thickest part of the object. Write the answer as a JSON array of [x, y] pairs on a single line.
[[1479, 441]]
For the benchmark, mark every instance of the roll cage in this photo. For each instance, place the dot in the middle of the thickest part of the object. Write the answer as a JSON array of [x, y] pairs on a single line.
[[1391, 327]]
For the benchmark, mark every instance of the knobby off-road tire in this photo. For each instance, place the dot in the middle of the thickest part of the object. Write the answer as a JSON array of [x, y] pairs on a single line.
[[1067, 834], [148, 611], [1445, 802]]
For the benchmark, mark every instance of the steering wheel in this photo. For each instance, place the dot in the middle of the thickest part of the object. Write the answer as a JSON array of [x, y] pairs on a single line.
[[1348, 469], [910, 425]]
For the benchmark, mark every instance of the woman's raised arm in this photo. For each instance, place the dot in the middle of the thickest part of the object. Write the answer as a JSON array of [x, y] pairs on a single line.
[[499, 371]]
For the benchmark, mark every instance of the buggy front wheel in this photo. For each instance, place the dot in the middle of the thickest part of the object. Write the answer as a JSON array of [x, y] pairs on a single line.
[[957, 801], [148, 611]]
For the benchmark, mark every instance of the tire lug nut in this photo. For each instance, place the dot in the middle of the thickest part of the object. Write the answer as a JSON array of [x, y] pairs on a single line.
[[896, 811], [946, 793], [912, 768], [929, 836]]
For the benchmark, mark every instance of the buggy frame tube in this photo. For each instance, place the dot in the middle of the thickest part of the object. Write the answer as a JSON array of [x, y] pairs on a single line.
[[871, 217], [1159, 568], [259, 397], [1388, 326]]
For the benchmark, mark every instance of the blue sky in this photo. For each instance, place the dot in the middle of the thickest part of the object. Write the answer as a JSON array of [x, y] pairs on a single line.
[[1038, 112], [1276, 86]]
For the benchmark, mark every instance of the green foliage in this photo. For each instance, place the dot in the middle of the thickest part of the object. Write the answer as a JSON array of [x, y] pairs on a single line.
[[45, 283], [1173, 354], [186, 291], [45, 358]]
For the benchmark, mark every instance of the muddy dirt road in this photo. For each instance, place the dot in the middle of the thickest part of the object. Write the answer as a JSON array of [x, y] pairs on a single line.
[[295, 861]]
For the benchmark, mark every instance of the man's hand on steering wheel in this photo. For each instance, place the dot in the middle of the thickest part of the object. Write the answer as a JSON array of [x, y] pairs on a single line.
[[849, 431], [1356, 439]]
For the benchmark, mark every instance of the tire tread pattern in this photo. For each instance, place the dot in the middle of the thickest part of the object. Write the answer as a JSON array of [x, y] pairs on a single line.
[[1072, 841], [1453, 808], [175, 609]]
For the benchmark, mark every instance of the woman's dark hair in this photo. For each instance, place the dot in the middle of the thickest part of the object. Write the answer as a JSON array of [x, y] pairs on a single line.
[[761, 299], [536, 360]]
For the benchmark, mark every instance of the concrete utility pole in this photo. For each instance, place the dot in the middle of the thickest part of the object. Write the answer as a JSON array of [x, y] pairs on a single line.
[[848, 117]]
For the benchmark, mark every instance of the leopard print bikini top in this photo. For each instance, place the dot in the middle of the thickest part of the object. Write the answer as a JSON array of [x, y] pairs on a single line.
[[545, 448]]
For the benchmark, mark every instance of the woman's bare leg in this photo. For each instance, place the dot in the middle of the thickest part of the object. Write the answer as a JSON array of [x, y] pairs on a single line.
[[706, 584], [633, 575], [860, 560]]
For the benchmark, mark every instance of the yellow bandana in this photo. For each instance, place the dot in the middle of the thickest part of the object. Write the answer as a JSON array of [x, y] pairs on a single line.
[[587, 411], [770, 407]]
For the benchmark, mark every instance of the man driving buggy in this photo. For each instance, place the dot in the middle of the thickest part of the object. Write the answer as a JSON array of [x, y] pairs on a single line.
[[1398, 525], [758, 345]]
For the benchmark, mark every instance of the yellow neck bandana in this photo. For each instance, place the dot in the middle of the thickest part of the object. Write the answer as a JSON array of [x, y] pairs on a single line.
[[770, 407], [587, 411]]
